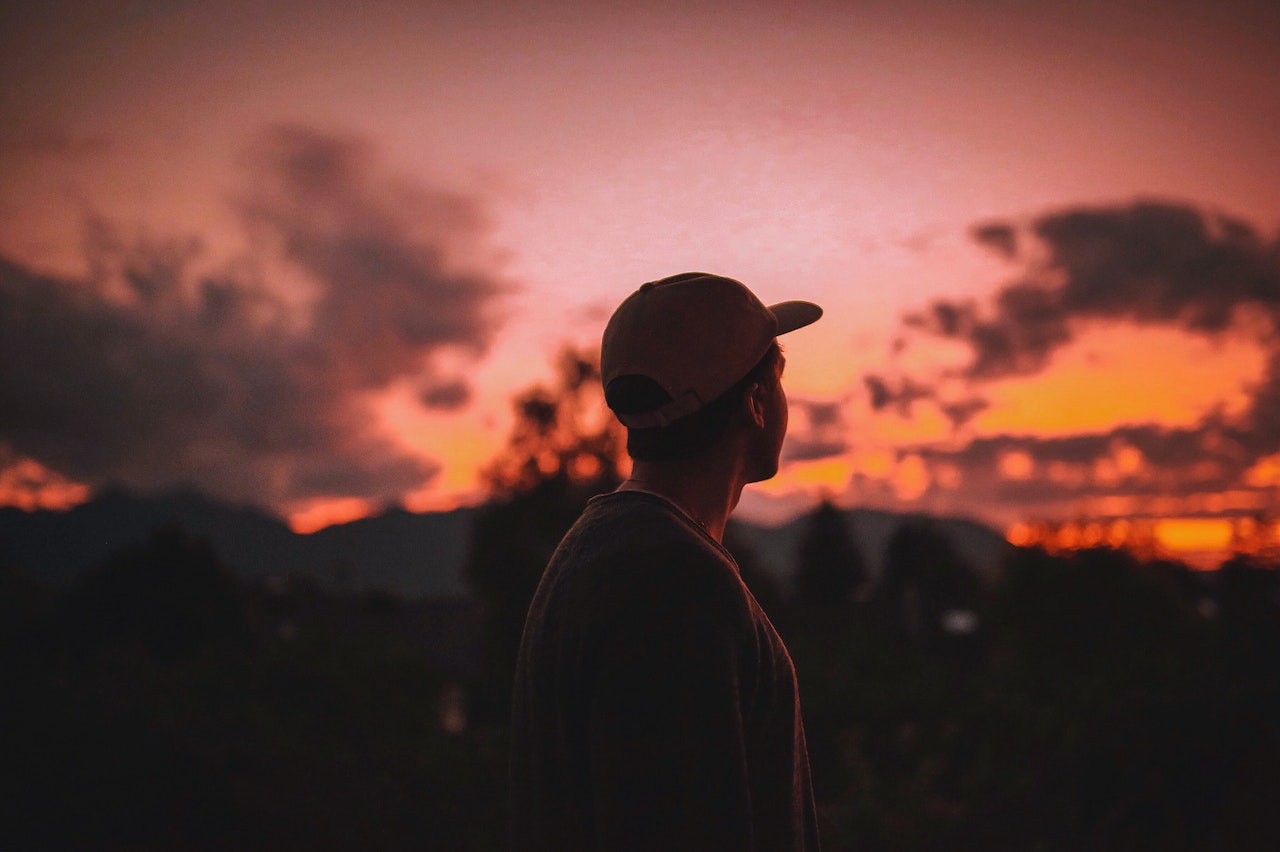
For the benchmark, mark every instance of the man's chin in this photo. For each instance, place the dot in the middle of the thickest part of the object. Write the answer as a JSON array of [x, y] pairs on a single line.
[[763, 475]]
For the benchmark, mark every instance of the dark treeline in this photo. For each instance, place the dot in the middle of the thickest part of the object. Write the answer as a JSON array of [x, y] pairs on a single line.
[[1085, 701], [162, 704]]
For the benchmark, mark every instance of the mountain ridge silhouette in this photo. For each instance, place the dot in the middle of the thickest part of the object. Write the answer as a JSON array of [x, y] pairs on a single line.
[[412, 555]]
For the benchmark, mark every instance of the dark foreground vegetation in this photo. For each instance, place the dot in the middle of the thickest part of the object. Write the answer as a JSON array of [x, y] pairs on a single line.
[[1081, 702]]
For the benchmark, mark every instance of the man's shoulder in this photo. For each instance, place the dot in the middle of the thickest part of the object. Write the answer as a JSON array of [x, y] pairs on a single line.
[[636, 537], [631, 506], [637, 522]]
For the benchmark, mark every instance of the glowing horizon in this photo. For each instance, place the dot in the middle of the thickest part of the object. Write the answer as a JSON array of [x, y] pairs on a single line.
[[304, 257]]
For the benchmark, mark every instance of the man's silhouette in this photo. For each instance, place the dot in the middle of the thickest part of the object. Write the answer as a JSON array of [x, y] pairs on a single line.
[[655, 707]]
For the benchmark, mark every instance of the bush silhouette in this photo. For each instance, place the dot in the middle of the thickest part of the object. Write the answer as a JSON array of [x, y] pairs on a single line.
[[830, 567], [169, 596]]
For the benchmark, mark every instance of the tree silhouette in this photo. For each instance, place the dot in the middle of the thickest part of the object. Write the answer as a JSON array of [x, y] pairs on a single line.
[[1248, 597], [564, 447], [169, 596], [1102, 670], [563, 431], [763, 585], [830, 568], [1096, 609], [924, 579]]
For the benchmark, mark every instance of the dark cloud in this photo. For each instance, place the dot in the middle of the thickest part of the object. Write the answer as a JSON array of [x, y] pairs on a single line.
[[961, 411], [1000, 237], [900, 394], [1211, 457], [1027, 326], [1142, 264], [1160, 263], [1145, 263], [799, 448], [824, 414], [447, 395], [1148, 263], [387, 290], [150, 372], [879, 390], [1159, 446], [817, 432], [1261, 435]]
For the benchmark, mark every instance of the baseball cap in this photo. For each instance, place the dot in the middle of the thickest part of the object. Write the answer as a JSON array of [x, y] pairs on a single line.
[[695, 335]]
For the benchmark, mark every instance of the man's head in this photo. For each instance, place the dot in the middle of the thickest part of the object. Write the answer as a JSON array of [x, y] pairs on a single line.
[[681, 355]]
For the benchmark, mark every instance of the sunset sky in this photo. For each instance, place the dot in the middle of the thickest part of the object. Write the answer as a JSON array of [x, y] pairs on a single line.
[[302, 254]]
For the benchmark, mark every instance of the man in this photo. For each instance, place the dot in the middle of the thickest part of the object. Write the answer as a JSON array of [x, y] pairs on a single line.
[[655, 707]]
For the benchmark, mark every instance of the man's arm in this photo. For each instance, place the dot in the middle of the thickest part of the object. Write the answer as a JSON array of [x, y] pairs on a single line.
[[668, 762]]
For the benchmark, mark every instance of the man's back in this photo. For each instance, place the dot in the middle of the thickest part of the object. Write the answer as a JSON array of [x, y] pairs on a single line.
[[655, 707]]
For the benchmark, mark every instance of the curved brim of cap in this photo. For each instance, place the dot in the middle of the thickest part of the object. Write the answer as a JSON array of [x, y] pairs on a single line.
[[793, 315]]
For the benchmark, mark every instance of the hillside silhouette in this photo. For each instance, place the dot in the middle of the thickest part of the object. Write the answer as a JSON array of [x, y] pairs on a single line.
[[410, 555], [407, 554]]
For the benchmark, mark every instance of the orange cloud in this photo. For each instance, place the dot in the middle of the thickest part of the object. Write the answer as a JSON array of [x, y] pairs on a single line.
[[1017, 465], [911, 479], [1121, 375], [1265, 473], [308, 516], [29, 485]]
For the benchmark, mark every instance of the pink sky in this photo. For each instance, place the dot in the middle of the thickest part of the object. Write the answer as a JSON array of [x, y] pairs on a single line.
[[564, 154]]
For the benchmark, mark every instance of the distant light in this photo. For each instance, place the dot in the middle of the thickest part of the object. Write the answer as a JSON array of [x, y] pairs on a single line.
[[1020, 535], [1017, 464], [584, 466], [453, 709], [1118, 533], [911, 478], [959, 622], [1195, 534]]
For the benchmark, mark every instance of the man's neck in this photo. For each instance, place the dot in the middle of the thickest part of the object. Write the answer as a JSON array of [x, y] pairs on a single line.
[[706, 492]]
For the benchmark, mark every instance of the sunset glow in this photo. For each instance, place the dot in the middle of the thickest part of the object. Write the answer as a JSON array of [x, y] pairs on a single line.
[[306, 257], [326, 511], [30, 485], [1117, 375], [1190, 535]]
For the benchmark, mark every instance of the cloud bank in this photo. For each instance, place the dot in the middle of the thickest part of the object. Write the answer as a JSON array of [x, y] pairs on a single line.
[[150, 372], [1147, 263], [1142, 264]]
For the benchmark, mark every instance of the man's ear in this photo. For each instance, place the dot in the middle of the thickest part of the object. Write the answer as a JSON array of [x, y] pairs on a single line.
[[753, 402]]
